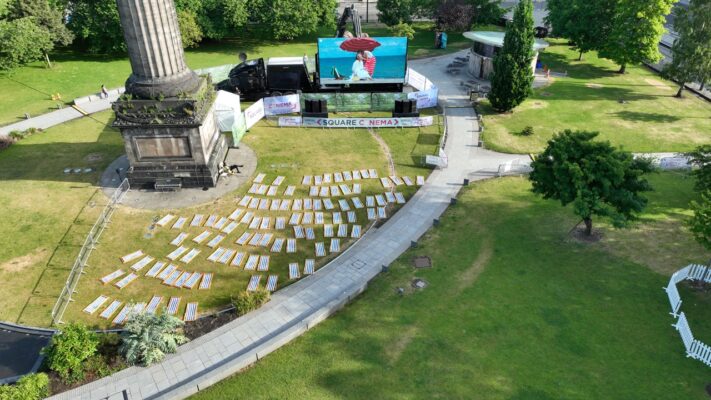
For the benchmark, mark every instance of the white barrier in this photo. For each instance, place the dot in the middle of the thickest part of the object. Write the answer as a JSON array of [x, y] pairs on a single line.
[[694, 348]]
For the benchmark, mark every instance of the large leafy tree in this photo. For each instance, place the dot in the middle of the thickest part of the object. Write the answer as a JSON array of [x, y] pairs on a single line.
[[96, 25], [69, 349], [512, 75], [700, 223], [22, 41], [598, 179], [691, 52], [700, 158], [636, 29], [393, 12], [47, 15], [147, 338], [288, 19]]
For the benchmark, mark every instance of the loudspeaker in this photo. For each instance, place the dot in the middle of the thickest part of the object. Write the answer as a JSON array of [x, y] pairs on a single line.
[[399, 107], [315, 107], [405, 109]]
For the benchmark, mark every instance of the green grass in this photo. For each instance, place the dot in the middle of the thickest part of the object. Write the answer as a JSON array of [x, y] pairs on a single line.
[[45, 214], [651, 119], [513, 310], [75, 74]]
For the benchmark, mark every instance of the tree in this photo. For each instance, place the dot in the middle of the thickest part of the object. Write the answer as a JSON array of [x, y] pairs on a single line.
[[96, 25], [512, 75], [393, 12], [454, 15], [559, 13], [29, 387], [700, 223], [595, 177], [402, 30], [278, 17], [189, 29], [691, 52], [69, 349], [147, 338], [22, 41], [487, 11], [47, 16], [637, 27], [701, 159]]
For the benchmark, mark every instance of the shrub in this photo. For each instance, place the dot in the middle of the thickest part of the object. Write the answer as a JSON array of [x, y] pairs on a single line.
[[245, 302], [5, 142], [69, 349], [17, 135], [29, 387], [147, 338], [527, 131], [403, 30]]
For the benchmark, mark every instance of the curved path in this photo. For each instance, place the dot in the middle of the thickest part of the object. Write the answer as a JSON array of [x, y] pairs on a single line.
[[297, 308]]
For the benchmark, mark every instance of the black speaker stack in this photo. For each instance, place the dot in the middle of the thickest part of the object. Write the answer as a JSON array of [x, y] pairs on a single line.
[[405, 108], [315, 109]]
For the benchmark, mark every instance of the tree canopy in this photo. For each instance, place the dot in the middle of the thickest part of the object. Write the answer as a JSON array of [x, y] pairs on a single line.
[[597, 178], [512, 76]]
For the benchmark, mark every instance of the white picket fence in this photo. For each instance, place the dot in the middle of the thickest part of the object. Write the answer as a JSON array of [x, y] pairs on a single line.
[[694, 348]]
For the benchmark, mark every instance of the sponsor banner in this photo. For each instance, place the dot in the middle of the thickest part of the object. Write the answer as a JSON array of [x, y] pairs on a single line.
[[282, 104], [367, 122], [667, 163], [425, 98], [289, 121], [254, 113], [417, 80]]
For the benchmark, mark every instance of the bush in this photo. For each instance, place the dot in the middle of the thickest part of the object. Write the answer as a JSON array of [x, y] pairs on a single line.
[[147, 338], [527, 131], [69, 349], [245, 302], [5, 142], [403, 30], [17, 135], [29, 387]]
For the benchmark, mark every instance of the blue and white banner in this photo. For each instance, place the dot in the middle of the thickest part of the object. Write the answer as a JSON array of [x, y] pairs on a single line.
[[282, 104], [367, 122]]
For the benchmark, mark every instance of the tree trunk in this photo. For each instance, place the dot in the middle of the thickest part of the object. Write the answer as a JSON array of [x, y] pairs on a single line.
[[623, 69], [701, 88], [580, 57], [681, 90], [46, 58], [588, 226]]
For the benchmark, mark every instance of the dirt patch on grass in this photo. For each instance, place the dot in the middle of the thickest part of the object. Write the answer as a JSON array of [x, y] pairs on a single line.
[[395, 350], [594, 85], [18, 264], [469, 275], [94, 157], [657, 84]]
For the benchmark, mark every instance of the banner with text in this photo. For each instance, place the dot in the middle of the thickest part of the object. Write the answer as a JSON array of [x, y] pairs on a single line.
[[426, 98], [367, 122], [289, 121], [282, 104], [254, 113], [417, 80]]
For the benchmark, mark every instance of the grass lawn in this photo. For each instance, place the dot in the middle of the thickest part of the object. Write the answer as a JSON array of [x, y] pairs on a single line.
[[75, 74], [282, 151], [651, 118], [513, 310]]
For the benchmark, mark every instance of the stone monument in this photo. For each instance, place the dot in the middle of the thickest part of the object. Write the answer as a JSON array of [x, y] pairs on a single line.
[[166, 116]]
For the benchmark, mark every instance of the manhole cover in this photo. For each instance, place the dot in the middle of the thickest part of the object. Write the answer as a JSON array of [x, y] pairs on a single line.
[[418, 283], [422, 262], [94, 157]]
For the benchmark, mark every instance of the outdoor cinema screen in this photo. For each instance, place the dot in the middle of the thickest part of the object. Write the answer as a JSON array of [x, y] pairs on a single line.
[[362, 60]]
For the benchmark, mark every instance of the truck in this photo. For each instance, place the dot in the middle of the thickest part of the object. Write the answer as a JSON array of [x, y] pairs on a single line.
[[254, 79]]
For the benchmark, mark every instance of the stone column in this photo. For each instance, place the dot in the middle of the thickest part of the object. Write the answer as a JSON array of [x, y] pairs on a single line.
[[155, 48]]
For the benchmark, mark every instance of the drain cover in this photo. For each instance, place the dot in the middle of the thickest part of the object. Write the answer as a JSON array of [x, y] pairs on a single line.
[[422, 262]]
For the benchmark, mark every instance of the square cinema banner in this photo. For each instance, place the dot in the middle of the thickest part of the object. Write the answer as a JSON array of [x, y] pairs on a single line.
[[362, 60]]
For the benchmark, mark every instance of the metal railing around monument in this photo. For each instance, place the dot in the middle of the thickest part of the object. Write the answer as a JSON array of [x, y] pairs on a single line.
[[92, 239]]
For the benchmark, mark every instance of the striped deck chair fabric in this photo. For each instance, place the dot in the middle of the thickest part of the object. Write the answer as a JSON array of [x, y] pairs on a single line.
[[320, 249], [277, 245], [306, 180], [244, 201], [255, 239], [285, 205], [347, 176], [276, 203], [182, 279], [357, 203], [335, 246], [173, 304], [343, 230], [309, 265], [355, 231], [318, 217], [335, 191], [110, 310], [370, 201], [356, 175], [206, 281], [297, 205], [327, 178], [221, 223], [230, 227], [323, 191], [247, 217], [338, 177], [280, 223], [352, 218], [279, 180], [356, 188], [407, 181], [259, 178], [400, 198], [255, 223], [164, 221], [294, 271], [175, 254], [216, 254], [243, 239], [318, 204], [155, 269], [345, 189], [126, 280], [328, 230], [192, 280], [251, 262], [289, 190], [291, 245], [371, 214], [272, 283], [272, 191], [266, 239], [226, 256], [380, 199], [396, 180], [133, 256], [211, 221], [121, 316], [310, 235], [328, 204], [215, 241], [197, 220], [318, 179], [263, 263], [365, 174], [166, 272], [308, 204], [337, 218], [373, 173], [179, 239], [264, 204], [94, 305], [179, 223], [386, 183], [201, 237], [381, 213], [266, 223], [263, 189], [313, 191], [170, 280], [143, 263], [253, 204], [308, 218], [390, 197], [236, 214], [420, 180], [191, 311], [298, 231], [253, 284], [153, 304], [295, 219], [110, 277], [343, 204], [239, 258]]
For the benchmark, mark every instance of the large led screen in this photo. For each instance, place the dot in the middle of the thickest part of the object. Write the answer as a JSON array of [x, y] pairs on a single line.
[[362, 60]]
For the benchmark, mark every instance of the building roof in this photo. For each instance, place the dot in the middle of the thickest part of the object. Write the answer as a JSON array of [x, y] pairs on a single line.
[[493, 38]]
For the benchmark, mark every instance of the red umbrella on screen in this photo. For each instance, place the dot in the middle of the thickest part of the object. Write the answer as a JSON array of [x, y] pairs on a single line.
[[359, 44]]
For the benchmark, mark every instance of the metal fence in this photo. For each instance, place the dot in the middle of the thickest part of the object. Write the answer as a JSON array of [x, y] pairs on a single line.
[[92, 239]]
